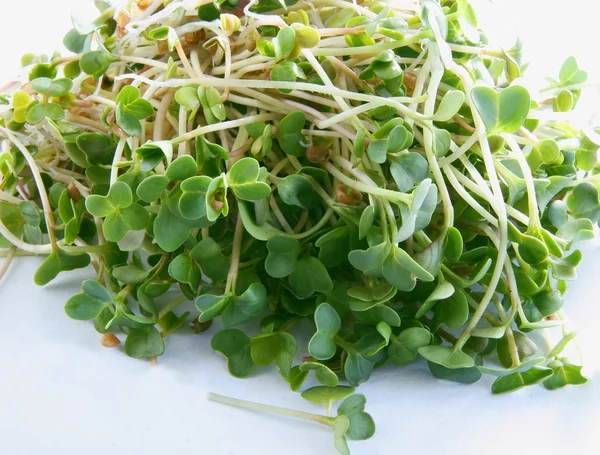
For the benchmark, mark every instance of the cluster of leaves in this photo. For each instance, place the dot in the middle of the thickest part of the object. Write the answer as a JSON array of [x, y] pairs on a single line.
[[374, 241]]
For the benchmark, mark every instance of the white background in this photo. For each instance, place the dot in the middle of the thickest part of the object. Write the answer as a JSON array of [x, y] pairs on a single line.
[[62, 393]]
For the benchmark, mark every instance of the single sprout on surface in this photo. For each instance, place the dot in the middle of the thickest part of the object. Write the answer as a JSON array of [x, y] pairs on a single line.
[[375, 168]]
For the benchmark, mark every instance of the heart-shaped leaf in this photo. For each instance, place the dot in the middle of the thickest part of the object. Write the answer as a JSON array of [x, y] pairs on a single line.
[[235, 346], [59, 261], [504, 111], [213, 262], [309, 276], [328, 322], [90, 302], [361, 423], [323, 373], [446, 356], [283, 256], [519, 380], [279, 347], [327, 395], [145, 342]]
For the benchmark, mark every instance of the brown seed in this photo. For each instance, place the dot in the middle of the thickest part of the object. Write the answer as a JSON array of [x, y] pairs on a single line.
[[143, 4], [347, 195], [250, 45], [122, 18], [215, 203], [317, 154], [108, 340], [163, 46], [200, 327], [73, 192]]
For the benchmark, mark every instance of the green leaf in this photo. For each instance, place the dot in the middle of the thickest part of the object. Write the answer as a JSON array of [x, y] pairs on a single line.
[[296, 378], [216, 198], [287, 71], [283, 256], [284, 42], [584, 201], [98, 148], [402, 271], [60, 87], [289, 133], [377, 150], [517, 381], [334, 246], [361, 423], [153, 153], [309, 276], [366, 221], [41, 85], [328, 322], [210, 306], [342, 424], [169, 232], [146, 342], [245, 307], [183, 269], [408, 169], [235, 346], [242, 179], [504, 111], [570, 74], [460, 375], [192, 203], [128, 123], [188, 97], [152, 187], [212, 261], [36, 114], [403, 347], [59, 261], [449, 106], [88, 304], [453, 244], [446, 356], [524, 366], [95, 63], [419, 215], [327, 395], [563, 375], [279, 347], [442, 291], [323, 374], [130, 274], [453, 311], [76, 42], [298, 190], [370, 261]]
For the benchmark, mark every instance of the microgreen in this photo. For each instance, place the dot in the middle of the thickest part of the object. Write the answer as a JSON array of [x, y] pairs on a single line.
[[359, 184]]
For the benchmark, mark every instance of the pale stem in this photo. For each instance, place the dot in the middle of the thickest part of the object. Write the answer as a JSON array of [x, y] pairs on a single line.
[[268, 408], [534, 217], [202, 130], [375, 191], [280, 217], [7, 261], [37, 176], [463, 75], [235, 255], [114, 170], [171, 306], [161, 114]]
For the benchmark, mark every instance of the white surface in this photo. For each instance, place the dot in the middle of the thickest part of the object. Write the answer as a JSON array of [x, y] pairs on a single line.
[[61, 393]]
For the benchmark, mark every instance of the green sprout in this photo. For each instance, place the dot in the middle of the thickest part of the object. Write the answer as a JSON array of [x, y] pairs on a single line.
[[333, 189]]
